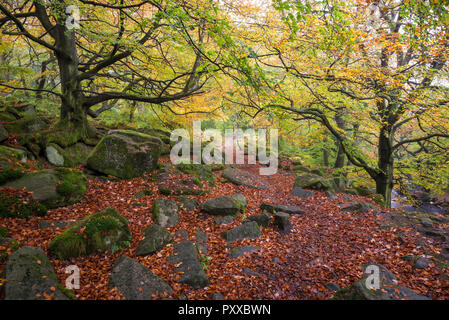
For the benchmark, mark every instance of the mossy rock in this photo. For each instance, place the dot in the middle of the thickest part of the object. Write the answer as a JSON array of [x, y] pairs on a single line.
[[224, 205], [55, 187], [72, 156], [13, 153], [202, 172], [165, 212], [97, 232], [30, 276], [125, 154], [315, 182], [27, 124]]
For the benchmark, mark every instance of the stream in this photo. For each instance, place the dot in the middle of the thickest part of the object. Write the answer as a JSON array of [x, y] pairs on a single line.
[[400, 202]]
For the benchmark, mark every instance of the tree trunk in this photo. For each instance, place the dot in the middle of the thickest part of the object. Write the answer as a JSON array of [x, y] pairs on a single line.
[[73, 123], [384, 180]]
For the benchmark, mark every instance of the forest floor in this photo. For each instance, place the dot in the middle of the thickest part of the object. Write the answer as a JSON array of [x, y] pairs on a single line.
[[325, 245]]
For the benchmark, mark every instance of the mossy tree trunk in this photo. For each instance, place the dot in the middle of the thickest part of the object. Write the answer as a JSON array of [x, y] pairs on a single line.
[[73, 120]]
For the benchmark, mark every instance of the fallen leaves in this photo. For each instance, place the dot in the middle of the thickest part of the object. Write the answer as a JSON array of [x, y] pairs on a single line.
[[324, 246]]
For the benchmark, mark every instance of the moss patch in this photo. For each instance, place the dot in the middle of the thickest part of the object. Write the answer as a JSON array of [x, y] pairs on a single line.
[[97, 232]]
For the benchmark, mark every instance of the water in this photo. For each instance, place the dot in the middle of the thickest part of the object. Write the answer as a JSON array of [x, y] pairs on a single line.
[[400, 202]]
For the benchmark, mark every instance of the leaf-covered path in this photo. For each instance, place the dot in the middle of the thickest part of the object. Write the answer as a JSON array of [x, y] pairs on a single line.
[[325, 245]]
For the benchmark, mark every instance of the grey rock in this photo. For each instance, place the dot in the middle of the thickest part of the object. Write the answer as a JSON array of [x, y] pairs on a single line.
[[165, 212], [24, 273], [282, 220], [185, 254], [53, 156], [135, 281], [240, 251], [244, 178], [422, 263], [216, 296], [332, 286], [248, 230], [187, 204], [301, 193], [224, 220], [156, 238], [251, 272], [359, 206], [273, 208], [125, 154], [262, 219], [223, 206], [389, 289]]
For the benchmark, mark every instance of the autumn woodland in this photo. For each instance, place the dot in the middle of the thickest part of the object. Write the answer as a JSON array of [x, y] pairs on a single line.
[[348, 102]]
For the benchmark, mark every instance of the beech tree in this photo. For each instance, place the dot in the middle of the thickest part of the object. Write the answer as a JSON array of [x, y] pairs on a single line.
[[153, 52]]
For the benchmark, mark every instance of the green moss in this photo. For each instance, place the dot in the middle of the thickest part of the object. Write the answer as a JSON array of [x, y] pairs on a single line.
[[146, 192], [72, 182], [95, 233], [9, 174], [68, 245], [379, 199], [202, 171], [164, 190], [67, 292], [197, 181]]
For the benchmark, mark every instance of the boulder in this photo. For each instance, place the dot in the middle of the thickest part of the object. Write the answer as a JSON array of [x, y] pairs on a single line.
[[135, 281], [156, 238], [224, 220], [53, 188], [30, 276], [201, 240], [301, 193], [185, 256], [187, 204], [165, 212], [273, 208], [224, 205], [97, 232], [388, 288], [359, 206], [240, 251], [262, 219], [13, 153], [27, 125], [282, 220], [315, 182], [71, 156], [249, 230], [125, 154], [244, 178]]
